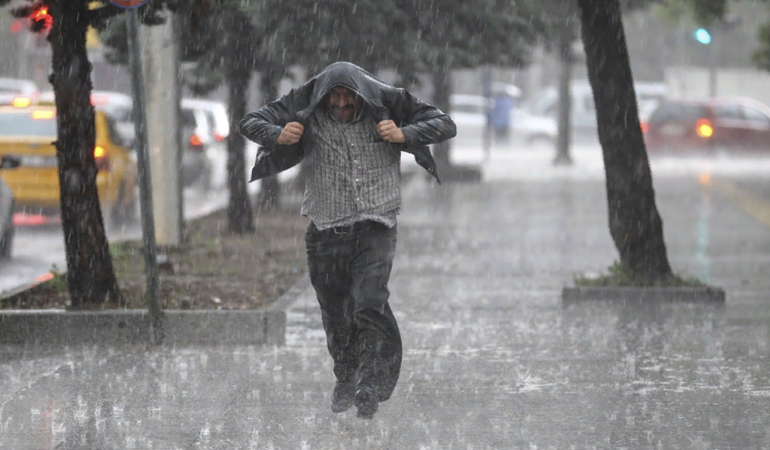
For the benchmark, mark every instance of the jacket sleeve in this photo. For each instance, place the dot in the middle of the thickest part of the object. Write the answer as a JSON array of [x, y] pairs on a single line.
[[264, 125], [424, 124]]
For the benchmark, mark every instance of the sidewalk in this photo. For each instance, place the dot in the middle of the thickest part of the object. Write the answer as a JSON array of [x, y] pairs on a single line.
[[492, 359]]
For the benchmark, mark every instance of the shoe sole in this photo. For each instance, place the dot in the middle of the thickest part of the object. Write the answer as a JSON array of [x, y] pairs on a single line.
[[341, 409], [345, 403], [366, 416], [366, 404]]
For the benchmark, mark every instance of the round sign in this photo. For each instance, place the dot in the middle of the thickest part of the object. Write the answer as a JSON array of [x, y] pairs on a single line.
[[128, 4]]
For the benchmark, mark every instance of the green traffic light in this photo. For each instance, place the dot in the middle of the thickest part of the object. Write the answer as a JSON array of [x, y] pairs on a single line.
[[703, 36]]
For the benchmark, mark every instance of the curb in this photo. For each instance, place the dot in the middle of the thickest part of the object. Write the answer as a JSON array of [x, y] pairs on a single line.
[[124, 327], [275, 313], [121, 327], [644, 295]]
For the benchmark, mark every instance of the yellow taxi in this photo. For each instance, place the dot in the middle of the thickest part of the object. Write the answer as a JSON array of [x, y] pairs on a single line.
[[28, 133]]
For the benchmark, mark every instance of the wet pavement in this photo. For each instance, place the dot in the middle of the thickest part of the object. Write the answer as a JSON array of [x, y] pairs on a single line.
[[493, 360]]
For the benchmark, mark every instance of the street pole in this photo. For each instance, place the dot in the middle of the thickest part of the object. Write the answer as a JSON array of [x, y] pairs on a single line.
[[22, 54], [564, 136], [487, 86], [160, 75], [713, 63], [145, 182], [178, 135]]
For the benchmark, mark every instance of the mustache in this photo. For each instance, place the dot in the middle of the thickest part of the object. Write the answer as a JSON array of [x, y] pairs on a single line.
[[342, 108]]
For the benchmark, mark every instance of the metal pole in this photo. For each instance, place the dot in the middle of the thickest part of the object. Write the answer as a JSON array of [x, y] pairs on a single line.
[[178, 135], [487, 86], [160, 82], [145, 182], [713, 63], [23, 54]]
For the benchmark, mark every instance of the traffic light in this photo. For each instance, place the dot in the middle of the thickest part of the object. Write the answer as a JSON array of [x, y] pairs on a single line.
[[40, 19], [703, 36]]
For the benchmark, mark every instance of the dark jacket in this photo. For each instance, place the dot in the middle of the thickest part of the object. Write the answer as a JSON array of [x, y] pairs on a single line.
[[422, 124]]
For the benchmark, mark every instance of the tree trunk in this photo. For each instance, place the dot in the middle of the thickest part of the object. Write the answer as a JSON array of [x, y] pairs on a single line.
[[442, 91], [564, 135], [90, 274], [240, 218], [270, 187], [634, 221]]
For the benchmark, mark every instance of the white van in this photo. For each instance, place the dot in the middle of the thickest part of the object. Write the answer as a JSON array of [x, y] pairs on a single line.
[[537, 122]]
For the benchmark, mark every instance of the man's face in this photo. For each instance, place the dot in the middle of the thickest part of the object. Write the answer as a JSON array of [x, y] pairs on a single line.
[[343, 103]]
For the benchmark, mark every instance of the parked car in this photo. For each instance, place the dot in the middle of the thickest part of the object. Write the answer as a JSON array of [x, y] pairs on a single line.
[[6, 209], [17, 92], [537, 123], [29, 133], [730, 124]]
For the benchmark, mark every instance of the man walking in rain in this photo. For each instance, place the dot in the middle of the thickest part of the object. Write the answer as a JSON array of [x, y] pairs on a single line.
[[350, 128]]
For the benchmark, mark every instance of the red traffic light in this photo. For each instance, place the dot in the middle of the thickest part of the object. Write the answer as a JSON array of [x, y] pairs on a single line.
[[41, 19]]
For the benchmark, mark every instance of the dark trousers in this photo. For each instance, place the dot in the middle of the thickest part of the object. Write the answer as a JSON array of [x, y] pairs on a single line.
[[349, 269]]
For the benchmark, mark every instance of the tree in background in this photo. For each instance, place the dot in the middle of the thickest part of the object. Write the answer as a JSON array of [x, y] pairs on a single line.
[[761, 58], [90, 273], [706, 13], [634, 221], [460, 35], [559, 27], [703, 12], [219, 38], [237, 63], [371, 34], [271, 74], [273, 53], [408, 37], [311, 35]]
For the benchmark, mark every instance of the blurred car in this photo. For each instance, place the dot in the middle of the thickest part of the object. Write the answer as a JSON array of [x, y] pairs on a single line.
[[118, 106], [469, 113], [28, 134], [197, 139], [469, 110], [197, 135], [216, 115], [6, 209], [17, 92], [537, 123], [219, 126], [730, 124], [535, 130]]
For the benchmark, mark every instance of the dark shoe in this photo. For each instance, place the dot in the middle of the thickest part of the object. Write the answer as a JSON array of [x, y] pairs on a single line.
[[366, 404], [343, 397]]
